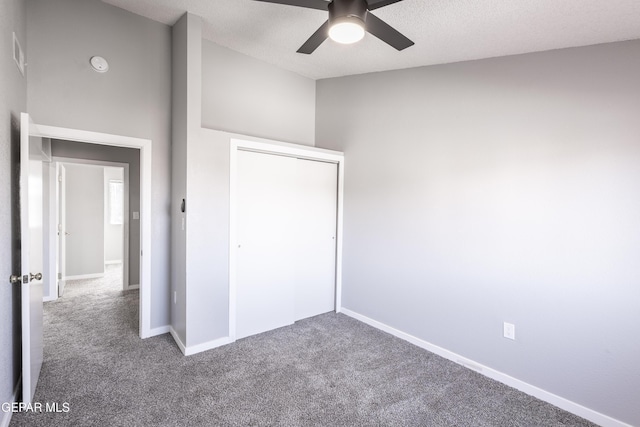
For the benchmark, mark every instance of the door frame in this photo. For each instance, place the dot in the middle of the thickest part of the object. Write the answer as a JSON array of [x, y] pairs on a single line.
[[144, 145], [281, 149], [54, 221]]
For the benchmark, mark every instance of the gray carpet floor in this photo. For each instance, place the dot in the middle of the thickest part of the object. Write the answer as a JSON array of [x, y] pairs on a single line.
[[329, 370]]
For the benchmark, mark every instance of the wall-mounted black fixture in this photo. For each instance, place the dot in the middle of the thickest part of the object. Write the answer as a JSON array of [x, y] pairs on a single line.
[[183, 206]]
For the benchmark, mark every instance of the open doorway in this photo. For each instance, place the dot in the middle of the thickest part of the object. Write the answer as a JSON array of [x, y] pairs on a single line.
[[92, 222], [93, 146]]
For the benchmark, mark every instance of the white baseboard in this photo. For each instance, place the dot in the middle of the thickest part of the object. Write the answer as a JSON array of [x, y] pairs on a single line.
[[84, 276], [114, 261], [5, 417], [132, 287], [560, 402], [47, 299], [158, 331], [177, 339], [199, 348]]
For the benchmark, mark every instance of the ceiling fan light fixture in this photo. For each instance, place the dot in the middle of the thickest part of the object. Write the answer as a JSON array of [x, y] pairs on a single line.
[[347, 23], [347, 31]]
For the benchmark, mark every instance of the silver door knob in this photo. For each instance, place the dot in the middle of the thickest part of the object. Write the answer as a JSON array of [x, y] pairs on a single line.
[[14, 279], [37, 276]]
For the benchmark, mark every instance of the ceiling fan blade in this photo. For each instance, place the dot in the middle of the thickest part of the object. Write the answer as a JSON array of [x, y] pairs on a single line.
[[316, 39], [377, 4], [309, 4], [386, 33]]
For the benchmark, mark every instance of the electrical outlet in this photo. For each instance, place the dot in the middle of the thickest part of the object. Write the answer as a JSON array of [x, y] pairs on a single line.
[[509, 331]]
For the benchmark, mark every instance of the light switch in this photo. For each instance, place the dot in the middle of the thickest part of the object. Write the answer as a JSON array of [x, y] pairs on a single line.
[[136, 215]]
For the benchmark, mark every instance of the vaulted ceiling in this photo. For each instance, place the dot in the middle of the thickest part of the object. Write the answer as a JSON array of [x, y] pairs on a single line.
[[444, 31]]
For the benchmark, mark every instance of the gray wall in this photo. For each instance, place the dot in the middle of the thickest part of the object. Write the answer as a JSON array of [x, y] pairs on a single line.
[[13, 101], [216, 90], [113, 233], [208, 236], [182, 126], [501, 190], [243, 95], [132, 99], [84, 220], [131, 156]]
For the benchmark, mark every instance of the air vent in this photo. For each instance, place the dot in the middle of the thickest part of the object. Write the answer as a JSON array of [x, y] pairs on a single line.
[[18, 55]]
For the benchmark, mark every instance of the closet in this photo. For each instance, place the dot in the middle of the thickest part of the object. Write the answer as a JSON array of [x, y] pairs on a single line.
[[286, 240]]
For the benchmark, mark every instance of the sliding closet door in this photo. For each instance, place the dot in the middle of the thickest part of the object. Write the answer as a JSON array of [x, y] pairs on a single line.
[[265, 273], [286, 233], [316, 238]]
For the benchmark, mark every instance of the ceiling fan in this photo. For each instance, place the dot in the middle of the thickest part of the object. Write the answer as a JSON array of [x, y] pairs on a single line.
[[348, 21]]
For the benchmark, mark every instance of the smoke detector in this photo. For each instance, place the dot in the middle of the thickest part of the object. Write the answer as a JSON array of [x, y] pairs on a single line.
[[99, 64]]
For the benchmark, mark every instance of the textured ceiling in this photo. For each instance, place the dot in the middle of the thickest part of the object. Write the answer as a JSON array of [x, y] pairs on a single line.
[[444, 30]]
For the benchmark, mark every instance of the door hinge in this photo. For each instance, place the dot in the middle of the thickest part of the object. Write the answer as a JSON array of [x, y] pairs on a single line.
[[59, 178], [59, 276]]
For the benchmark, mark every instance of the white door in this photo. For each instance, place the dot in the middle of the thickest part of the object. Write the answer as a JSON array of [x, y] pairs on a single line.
[[286, 228], [315, 262], [62, 228], [32, 251], [265, 277]]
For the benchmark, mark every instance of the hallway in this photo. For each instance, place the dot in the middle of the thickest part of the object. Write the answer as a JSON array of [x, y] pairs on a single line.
[[90, 312]]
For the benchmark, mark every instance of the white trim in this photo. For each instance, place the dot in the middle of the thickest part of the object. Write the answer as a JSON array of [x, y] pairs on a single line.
[[144, 145], [284, 149], [5, 419], [51, 281], [177, 339], [126, 230], [60, 242], [66, 134], [115, 261], [160, 330], [132, 287], [84, 276], [233, 185], [339, 236], [560, 402], [199, 348]]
